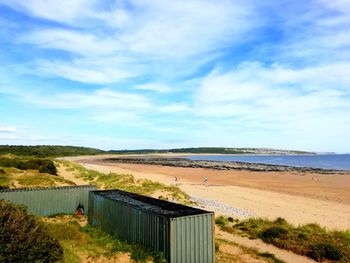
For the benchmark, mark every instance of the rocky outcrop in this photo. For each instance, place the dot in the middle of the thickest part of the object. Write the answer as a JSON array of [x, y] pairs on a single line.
[[217, 165]]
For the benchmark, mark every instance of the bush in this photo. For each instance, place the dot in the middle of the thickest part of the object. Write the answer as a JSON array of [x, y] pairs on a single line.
[[43, 165], [2, 171], [48, 167], [310, 240], [322, 251], [273, 232], [23, 238], [221, 221], [280, 221]]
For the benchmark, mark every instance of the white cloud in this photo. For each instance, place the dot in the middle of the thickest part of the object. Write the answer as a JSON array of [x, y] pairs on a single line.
[[7, 129], [85, 44], [98, 71], [175, 108], [111, 42], [296, 100], [154, 87], [98, 99], [64, 11]]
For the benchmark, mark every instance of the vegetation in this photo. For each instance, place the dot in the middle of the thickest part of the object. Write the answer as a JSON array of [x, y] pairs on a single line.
[[47, 150], [57, 151], [227, 251], [209, 150], [309, 240], [29, 172], [81, 241], [127, 182], [23, 238], [42, 165]]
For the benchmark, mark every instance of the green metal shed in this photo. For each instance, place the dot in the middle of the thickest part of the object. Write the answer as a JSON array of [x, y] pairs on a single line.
[[181, 233], [50, 200]]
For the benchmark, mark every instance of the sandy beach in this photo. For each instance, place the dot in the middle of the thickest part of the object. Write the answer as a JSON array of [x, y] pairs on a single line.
[[298, 197]]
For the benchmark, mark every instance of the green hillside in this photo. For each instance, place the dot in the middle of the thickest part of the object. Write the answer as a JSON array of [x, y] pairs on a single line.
[[47, 150]]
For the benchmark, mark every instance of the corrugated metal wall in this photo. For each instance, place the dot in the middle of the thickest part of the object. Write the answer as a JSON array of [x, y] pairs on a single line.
[[51, 200], [181, 239], [126, 223], [192, 239]]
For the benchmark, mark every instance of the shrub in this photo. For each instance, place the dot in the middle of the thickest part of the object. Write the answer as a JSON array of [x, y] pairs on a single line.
[[221, 221], [2, 171], [23, 238], [322, 251], [273, 232], [280, 221], [43, 165], [48, 167]]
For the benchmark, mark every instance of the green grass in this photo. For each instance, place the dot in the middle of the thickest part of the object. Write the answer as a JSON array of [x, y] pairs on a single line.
[[47, 150], [4, 181], [35, 179], [240, 254], [81, 242], [127, 182], [309, 240], [29, 178]]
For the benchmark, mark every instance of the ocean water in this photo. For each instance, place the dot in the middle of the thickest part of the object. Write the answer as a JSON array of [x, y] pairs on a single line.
[[325, 161]]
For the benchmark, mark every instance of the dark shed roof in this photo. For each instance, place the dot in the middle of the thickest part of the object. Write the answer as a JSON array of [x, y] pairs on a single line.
[[45, 188], [160, 207]]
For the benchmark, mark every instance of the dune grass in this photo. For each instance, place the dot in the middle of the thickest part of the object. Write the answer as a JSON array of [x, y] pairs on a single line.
[[127, 182], [14, 178], [81, 242], [227, 251], [309, 240]]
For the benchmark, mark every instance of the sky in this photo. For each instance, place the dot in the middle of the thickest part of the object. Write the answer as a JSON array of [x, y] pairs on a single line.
[[117, 74]]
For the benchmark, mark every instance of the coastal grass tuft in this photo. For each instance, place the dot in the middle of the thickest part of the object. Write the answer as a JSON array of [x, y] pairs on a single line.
[[82, 242], [310, 240], [228, 251]]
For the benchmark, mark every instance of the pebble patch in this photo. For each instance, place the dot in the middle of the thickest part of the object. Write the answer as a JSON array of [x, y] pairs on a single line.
[[221, 208]]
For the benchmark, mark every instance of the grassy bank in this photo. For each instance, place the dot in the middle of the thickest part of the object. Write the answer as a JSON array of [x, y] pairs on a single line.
[[309, 240], [47, 150], [227, 252], [82, 242], [128, 183], [16, 172]]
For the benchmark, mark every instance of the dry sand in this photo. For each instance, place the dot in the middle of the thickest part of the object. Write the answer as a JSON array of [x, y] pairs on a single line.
[[298, 197]]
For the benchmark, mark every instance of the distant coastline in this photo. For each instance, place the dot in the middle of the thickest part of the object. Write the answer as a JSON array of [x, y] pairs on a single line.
[[216, 165]]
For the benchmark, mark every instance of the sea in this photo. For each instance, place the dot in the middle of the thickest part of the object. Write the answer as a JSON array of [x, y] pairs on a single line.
[[324, 161]]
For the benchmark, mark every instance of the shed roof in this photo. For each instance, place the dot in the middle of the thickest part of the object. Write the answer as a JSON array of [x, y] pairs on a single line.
[[45, 188], [160, 207]]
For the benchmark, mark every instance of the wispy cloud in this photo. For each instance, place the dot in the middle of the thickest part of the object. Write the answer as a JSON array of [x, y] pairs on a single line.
[[303, 103], [7, 129], [153, 33], [154, 87], [199, 72]]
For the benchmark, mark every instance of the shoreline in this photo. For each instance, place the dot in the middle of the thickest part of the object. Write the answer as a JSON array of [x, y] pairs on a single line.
[[299, 197], [292, 196], [177, 161]]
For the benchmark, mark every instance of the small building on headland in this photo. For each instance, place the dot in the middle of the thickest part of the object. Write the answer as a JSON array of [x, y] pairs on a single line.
[[181, 233]]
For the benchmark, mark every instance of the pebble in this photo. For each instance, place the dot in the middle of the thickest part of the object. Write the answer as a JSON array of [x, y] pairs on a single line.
[[221, 208]]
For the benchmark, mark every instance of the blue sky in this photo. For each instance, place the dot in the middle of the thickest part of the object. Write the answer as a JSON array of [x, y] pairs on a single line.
[[167, 74]]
